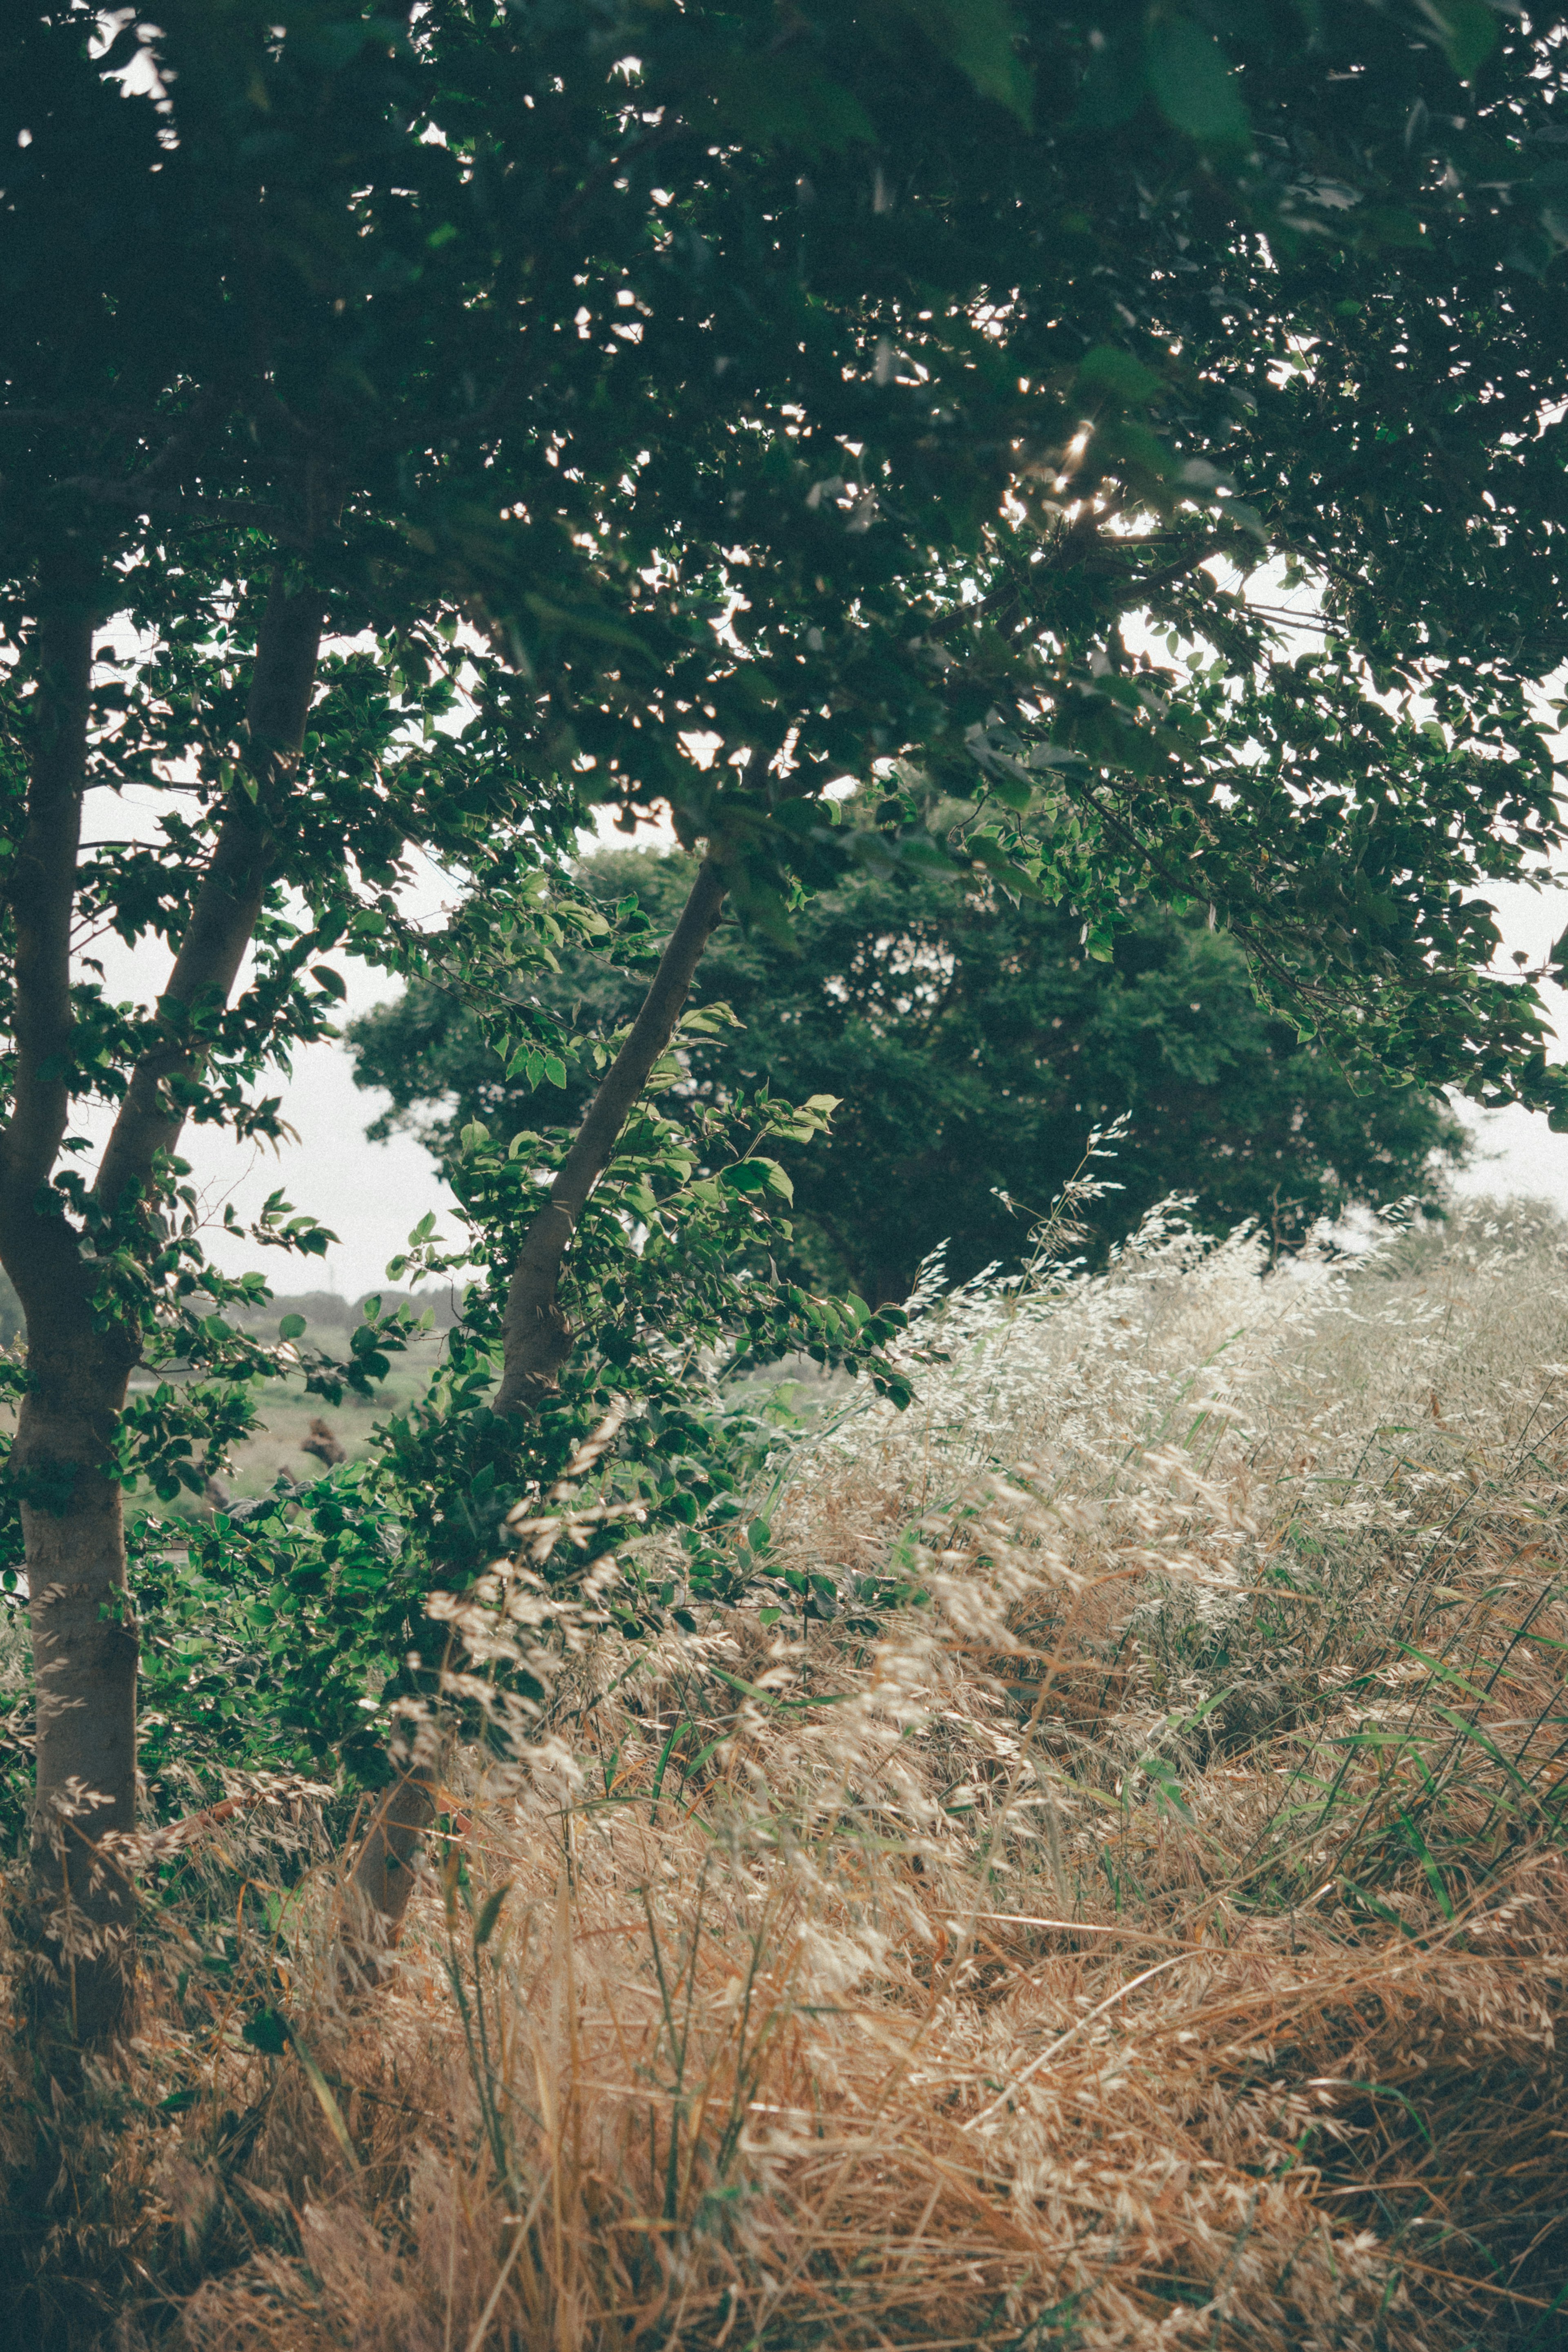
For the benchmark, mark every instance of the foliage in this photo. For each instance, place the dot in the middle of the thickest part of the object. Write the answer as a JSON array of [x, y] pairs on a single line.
[[972, 1045], [682, 410]]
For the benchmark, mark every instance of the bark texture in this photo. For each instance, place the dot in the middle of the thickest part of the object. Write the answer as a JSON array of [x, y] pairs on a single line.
[[85, 1653], [85, 1640]]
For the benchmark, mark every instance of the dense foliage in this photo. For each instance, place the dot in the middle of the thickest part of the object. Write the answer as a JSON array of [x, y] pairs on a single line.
[[973, 1045], [472, 417]]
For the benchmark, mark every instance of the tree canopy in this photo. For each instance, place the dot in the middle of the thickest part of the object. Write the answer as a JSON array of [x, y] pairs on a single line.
[[473, 417], [972, 1045]]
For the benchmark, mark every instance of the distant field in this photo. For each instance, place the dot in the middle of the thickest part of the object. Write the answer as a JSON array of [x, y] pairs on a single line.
[[286, 1412]]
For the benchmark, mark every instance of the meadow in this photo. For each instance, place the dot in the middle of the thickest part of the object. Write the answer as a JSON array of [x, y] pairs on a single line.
[[1136, 1917]]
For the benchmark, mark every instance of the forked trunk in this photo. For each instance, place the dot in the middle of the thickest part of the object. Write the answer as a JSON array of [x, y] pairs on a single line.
[[84, 1629]]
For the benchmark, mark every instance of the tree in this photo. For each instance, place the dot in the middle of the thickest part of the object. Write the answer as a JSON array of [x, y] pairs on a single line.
[[973, 1045], [478, 416]]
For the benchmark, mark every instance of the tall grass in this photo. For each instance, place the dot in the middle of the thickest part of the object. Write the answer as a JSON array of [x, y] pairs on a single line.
[[1136, 1917]]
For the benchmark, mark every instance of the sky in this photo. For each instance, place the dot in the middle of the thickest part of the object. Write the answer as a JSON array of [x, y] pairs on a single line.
[[371, 1195]]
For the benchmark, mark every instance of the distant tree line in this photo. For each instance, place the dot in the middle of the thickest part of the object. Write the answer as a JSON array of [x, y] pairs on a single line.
[[975, 1044], [329, 1311]]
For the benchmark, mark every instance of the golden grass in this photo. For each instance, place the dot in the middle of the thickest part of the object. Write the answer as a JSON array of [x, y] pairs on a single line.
[[1155, 1934]]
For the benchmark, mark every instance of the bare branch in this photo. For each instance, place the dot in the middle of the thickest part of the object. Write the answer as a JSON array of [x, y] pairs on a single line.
[[537, 1336], [181, 445]]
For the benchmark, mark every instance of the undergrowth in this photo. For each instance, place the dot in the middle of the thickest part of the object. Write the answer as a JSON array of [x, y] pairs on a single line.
[[1137, 1915]]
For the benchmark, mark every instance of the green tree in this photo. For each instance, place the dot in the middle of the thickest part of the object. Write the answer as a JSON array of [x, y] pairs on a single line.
[[478, 416], [972, 1046]]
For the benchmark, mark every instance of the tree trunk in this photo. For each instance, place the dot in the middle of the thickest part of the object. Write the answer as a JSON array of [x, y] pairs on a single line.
[[70, 1510], [382, 1878], [84, 1632], [538, 1343], [85, 1645]]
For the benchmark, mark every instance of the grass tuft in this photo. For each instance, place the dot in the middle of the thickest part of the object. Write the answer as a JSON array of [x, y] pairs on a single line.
[[1151, 1930]]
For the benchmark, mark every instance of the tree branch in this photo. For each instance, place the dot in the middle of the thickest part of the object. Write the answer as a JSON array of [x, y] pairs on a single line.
[[229, 901], [202, 514], [43, 880], [182, 443], [537, 1334]]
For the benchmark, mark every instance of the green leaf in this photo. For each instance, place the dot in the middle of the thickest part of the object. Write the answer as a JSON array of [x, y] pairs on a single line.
[[788, 101], [267, 2031], [1110, 94], [1013, 792], [1166, 1788], [291, 1327], [1433, 1876], [980, 38], [747, 1176], [486, 1925], [1109, 369], [1192, 84], [1468, 30]]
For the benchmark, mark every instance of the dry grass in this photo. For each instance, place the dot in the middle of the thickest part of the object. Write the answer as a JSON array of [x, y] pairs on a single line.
[[1156, 1934]]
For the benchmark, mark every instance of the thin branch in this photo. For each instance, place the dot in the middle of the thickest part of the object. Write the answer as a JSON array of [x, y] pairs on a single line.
[[537, 1336], [154, 489], [86, 412], [224, 918], [200, 514]]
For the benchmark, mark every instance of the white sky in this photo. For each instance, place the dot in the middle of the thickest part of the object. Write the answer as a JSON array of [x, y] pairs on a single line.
[[371, 1194], [1517, 1154]]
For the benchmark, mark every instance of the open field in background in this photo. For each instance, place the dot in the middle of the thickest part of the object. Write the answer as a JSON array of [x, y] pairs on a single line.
[[277, 1449], [1153, 1932], [287, 1411]]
